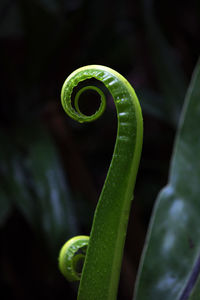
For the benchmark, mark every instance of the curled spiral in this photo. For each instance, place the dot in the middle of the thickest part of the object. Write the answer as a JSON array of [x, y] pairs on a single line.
[[102, 105], [66, 93], [72, 254], [71, 257]]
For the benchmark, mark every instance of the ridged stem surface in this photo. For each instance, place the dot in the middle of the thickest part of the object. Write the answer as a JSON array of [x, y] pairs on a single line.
[[100, 275]]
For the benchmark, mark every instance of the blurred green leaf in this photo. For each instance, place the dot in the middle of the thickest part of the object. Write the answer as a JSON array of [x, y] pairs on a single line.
[[171, 255], [33, 181], [196, 291], [170, 77], [55, 203]]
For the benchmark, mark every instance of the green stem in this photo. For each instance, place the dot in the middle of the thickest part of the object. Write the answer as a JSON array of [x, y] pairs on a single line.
[[101, 270]]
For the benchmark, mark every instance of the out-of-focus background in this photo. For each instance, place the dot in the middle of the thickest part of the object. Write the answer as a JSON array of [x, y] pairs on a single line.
[[51, 168]]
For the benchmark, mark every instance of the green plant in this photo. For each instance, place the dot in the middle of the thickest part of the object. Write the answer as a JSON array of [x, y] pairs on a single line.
[[170, 264], [104, 253]]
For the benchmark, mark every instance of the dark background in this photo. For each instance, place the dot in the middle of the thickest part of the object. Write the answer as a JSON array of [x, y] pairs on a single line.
[[51, 168]]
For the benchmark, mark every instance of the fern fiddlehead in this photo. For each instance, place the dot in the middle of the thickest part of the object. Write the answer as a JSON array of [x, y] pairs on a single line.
[[102, 263]]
